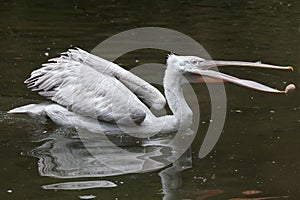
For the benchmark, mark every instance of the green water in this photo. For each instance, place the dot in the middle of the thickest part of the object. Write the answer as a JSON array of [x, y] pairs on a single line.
[[260, 144]]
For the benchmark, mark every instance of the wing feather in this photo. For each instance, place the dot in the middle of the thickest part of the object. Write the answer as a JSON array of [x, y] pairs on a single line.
[[84, 90], [145, 91]]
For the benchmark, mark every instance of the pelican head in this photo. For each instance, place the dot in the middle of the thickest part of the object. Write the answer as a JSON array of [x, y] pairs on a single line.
[[199, 66]]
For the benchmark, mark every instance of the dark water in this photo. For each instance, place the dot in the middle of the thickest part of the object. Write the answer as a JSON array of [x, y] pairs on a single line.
[[260, 144]]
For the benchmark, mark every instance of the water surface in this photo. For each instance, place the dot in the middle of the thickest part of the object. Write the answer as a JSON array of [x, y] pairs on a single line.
[[258, 149]]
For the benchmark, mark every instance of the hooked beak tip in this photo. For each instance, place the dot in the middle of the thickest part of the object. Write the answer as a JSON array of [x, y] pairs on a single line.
[[291, 68]]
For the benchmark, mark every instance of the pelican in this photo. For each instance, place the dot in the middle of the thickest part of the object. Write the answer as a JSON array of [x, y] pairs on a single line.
[[92, 93]]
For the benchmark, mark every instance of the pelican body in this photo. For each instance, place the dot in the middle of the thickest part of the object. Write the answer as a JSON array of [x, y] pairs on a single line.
[[92, 93]]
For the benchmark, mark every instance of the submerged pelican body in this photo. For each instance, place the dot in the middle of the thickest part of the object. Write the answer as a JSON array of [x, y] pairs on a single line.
[[92, 93]]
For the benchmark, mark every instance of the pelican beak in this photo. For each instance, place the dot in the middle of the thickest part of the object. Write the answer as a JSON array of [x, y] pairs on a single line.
[[207, 64]]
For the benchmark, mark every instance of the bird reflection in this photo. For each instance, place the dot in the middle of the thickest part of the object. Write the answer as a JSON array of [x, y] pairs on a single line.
[[67, 154], [171, 177], [74, 156]]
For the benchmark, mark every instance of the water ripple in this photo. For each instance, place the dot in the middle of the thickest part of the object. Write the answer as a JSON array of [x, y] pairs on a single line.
[[80, 185]]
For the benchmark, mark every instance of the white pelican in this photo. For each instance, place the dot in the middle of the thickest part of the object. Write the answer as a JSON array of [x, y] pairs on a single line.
[[89, 92]]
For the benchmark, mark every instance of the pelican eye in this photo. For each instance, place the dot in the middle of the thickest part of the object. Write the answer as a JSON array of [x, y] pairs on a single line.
[[194, 62]]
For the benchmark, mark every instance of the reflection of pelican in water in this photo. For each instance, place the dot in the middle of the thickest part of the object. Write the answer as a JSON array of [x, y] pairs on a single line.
[[66, 155], [88, 90], [63, 155]]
